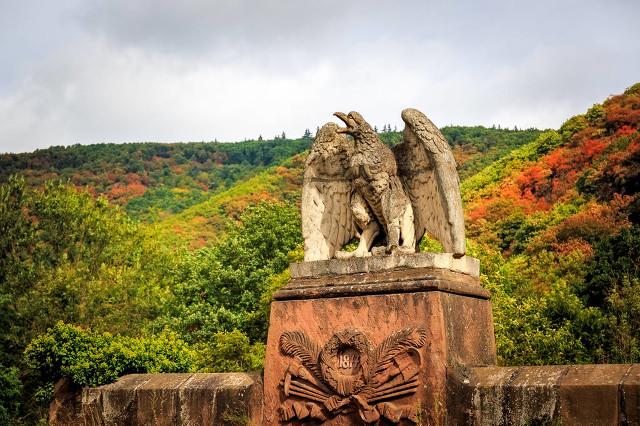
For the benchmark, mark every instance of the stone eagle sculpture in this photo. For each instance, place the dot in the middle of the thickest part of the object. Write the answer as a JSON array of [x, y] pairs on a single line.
[[358, 186]]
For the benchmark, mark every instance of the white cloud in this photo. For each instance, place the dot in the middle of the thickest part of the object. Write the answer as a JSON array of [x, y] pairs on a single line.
[[129, 72]]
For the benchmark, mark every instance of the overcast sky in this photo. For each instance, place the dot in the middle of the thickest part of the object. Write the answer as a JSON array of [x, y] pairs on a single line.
[[79, 71]]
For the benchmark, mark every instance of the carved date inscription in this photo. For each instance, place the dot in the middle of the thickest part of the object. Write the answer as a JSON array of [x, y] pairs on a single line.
[[348, 360], [347, 374]]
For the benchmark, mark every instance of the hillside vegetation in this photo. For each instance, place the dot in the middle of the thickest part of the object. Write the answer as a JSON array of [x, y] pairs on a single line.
[[93, 287], [558, 226], [153, 180]]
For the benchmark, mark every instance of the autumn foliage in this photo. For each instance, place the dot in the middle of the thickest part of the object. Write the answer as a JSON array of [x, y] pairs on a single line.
[[557, 227], [599, 155]]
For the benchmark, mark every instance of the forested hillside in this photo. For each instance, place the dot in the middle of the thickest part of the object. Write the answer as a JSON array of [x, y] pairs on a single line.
[[90, 291], [557, 226], [153, 180]]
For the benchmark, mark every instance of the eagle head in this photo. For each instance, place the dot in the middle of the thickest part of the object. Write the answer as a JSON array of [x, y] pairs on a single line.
[[354, 121]]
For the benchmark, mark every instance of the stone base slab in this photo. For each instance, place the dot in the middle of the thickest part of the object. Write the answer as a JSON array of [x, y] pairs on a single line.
[[464, 265], [395, 281]]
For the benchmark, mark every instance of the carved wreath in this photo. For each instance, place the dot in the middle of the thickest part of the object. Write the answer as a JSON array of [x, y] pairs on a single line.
[[347, 374]]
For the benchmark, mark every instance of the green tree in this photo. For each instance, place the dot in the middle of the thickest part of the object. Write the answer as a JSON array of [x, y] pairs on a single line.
[[219, 289], [10, 389]]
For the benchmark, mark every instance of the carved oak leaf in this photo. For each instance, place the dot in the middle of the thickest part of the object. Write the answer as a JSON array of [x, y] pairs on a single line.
[[297, 344]]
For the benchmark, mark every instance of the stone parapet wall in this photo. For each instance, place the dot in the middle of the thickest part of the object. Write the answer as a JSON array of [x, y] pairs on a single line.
[[542, 395], [604, 394], [163, 399]]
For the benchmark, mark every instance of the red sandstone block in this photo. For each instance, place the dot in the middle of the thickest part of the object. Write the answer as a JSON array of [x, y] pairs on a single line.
[[631, 396], [163, 399], [157, 399], [589, 394], [531, 396], [238, 399], [489, 394], [515, 395], [378, 317], [113, 404], [197, 399], [470, 340], [488, 377]]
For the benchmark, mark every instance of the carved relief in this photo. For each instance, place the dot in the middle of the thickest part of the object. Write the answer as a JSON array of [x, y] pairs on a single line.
[[349, 375]]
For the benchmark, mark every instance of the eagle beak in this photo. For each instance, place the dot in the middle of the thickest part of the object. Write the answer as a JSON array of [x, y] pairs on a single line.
[[342, 116]]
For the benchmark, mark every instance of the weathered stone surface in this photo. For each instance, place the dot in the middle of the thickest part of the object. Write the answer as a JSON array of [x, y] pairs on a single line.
[[630, 396], [158, 399], [589, 394], [171, 399], [386, 195], [532, 394], [465, 265], [489, 394], [468, 324], [514, 395], [384, 275], [554, 394], [199, 407], [66, 407], [459, 330], [113, 404]]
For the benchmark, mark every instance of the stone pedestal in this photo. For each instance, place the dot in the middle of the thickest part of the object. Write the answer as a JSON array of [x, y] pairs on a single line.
[[363, 340]]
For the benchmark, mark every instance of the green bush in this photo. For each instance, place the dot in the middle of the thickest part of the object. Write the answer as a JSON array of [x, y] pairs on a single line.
[[633, 89], [219, 289], [90, 358], [10, 388], [229, 352], [595, 115]]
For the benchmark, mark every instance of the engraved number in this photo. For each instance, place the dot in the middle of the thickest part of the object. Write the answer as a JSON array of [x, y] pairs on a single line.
[[347, 360]]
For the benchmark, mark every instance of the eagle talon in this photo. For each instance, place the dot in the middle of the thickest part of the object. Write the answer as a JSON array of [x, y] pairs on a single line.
[[341, 254]]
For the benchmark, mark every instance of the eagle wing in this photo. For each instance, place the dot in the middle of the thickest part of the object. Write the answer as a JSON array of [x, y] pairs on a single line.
[[428, 171], [327, 220]]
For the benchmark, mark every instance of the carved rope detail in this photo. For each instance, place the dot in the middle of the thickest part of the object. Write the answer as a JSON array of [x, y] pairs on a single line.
[[348, 375]]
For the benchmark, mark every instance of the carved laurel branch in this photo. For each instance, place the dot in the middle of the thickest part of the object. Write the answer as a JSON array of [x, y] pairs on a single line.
[[351, 338]]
